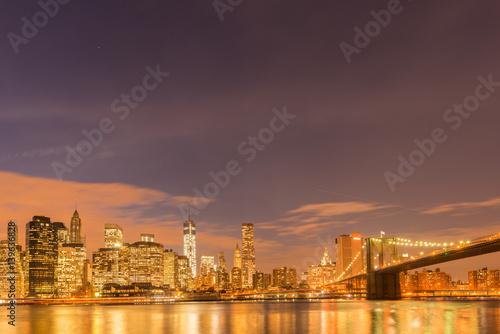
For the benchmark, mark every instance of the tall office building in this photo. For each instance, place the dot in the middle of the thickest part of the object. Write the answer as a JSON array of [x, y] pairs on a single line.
[[190, 242], [349, 254], [207, 263], [285, 278], [62, 233], [65, 272], [171, 268], [184, 272], [75, 228], [248, 254], [41, 247], [113, 236], [222, 262], [146, 263], [105, 264], [236, 280], [237, 257], [323, 274]]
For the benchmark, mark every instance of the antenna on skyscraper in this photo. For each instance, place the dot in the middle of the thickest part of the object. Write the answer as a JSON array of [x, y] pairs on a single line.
[[189, 214]]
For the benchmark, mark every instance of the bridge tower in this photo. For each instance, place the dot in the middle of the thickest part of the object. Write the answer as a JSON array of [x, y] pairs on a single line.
[[381, 285]]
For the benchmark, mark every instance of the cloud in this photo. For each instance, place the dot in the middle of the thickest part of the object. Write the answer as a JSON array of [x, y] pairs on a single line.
[[309, 220], [35, 153], [135, 209], [337, 208], [463, 206]]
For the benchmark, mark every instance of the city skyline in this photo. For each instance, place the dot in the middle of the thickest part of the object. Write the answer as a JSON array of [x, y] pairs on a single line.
[[113, 234], [275, 127]]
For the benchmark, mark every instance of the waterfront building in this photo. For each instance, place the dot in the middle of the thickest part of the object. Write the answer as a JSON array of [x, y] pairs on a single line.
[[66, 272], [425, 280], [284, 278], [347, 247], [105, 267], [248, 254], [41, 247], [146, 262], [484, 279], [261, 281], [171, 268], [323, 274]]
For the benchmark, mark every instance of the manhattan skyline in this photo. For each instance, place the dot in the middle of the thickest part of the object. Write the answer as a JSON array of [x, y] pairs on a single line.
[[220, 92]]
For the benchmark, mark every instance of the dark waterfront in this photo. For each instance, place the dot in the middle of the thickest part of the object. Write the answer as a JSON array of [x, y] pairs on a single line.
[[408, 316]]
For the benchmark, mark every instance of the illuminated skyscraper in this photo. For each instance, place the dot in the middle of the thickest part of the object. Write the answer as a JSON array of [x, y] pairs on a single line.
[[285, 277], [323, 274], [184, 273], [146, 263], [105, 267], [236, 283], [347, 247], [76, 228], [113, 236], [190, 242], [237, 257], [171, 268], [41, 246], [222, 262], [248, 254], [207, 263], [62, 233], [65, 272]]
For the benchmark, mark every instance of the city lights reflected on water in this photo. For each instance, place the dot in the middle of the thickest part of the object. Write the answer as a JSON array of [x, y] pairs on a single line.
[[258, 317]]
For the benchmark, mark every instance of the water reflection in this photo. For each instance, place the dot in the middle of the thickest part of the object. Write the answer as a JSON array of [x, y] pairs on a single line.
[[259, 317]]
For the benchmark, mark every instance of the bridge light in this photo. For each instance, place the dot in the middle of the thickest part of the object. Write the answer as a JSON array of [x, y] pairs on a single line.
[[461, 242], [468, 242]]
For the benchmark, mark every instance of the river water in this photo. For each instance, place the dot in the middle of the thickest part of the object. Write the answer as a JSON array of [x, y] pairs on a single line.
[[407, 316]]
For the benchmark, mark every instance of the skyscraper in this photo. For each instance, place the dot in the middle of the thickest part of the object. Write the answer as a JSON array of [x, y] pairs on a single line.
[[113, 236], [207, 263], [62, 233], [248, 254], [347, 247], [171, 268], [222, 262], [237, 257], [41, 246], [65, 272], [146, 263], [76, 228], [190, 242]]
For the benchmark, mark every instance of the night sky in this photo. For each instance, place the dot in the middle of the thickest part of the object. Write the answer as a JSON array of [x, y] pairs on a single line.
[[322, 172]]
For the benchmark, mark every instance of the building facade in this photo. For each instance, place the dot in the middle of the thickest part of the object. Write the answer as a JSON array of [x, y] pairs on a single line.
[[248, 254]]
